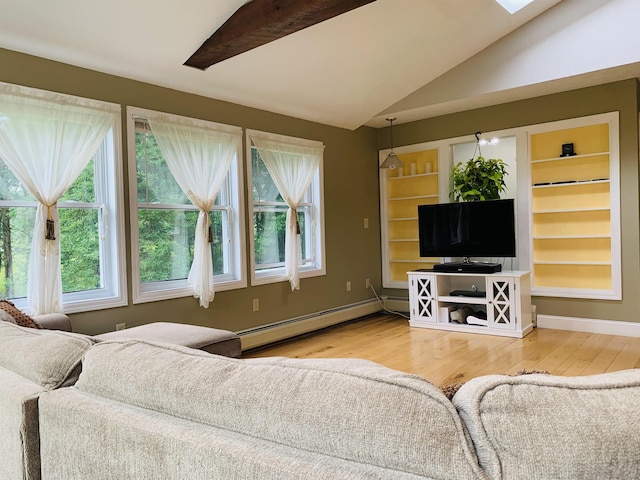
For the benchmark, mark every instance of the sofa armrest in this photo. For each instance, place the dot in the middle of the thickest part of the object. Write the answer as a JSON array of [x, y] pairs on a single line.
[[53, 321]]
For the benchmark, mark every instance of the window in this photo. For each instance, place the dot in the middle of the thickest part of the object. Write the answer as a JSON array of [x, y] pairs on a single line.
[[164, 221], [269, 218], [91, 240]]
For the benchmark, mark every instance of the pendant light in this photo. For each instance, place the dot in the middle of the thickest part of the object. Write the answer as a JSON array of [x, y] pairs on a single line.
[[392, 161]]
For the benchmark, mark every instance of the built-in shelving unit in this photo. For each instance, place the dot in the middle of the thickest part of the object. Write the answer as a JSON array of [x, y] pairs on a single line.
[[402, 190], [575, 209]]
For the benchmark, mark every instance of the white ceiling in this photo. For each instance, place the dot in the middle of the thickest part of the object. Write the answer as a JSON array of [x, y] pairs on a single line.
[[409, 58]]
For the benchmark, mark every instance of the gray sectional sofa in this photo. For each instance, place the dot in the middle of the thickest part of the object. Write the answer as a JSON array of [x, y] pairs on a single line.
[[31, 362], [155, 411]]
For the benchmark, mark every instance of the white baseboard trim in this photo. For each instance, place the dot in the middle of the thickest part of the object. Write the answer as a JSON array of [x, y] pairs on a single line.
[[589, 325], [398, 304], [274, 332]]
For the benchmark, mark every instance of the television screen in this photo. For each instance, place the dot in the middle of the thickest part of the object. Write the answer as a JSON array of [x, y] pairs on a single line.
[[467, 229]]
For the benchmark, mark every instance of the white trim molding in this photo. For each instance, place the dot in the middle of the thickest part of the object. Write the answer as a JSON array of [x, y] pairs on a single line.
[[589, 325], [397, 304]]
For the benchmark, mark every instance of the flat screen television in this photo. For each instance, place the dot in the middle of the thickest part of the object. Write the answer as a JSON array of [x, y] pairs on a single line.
[[467, 229]]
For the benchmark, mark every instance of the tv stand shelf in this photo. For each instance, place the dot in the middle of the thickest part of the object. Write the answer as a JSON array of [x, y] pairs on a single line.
[[463, 299], [507, 303]]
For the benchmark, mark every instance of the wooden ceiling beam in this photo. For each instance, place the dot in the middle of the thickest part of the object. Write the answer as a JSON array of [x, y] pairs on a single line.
[[263, 21]]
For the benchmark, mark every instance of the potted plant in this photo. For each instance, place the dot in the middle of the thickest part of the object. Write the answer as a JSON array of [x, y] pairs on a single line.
[[478, 179]]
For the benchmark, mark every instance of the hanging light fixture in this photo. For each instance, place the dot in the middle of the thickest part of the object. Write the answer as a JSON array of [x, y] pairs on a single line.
[[392, 161]]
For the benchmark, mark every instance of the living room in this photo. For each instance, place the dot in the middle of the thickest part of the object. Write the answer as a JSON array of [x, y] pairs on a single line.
[[231, 409], [353, 253]]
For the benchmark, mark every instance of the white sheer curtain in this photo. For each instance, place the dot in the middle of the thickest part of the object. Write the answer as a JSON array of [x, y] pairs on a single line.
[[198, 154], [292, 164], [46, 140]]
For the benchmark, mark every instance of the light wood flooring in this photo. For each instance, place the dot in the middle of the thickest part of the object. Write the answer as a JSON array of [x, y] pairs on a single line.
[[450, 357]]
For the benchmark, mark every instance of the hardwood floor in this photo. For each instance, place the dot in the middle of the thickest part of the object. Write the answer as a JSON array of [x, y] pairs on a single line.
[[449, 357]]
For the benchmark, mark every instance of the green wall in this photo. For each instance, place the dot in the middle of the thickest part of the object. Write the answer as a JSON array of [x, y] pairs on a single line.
[[350, 195], [351, 192], [620, 96]]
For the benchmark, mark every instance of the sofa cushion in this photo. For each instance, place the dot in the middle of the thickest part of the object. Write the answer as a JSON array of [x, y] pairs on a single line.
[[53, 321], [18, 316], [346, 408], [19, 438], [212, 340], [543, 426], [48, 358]]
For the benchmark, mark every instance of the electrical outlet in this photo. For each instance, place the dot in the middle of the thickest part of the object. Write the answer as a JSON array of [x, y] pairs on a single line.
[[367, 283], [366, 222], [256, 304], [121, 326], [348, 286]]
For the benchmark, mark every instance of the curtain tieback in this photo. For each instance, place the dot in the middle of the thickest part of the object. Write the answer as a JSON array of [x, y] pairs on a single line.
[[204, 206], [49, 233], [295, 213]]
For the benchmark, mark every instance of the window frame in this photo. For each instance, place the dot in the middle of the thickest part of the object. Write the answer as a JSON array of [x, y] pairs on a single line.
[[315, 241], [143, 292], [109, 198]]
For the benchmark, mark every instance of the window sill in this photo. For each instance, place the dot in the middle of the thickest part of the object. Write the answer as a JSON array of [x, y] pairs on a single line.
[[277, 275], [80, 305], [156, 291]]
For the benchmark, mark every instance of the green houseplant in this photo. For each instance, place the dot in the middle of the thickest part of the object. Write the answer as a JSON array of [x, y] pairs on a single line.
[[478, 179]]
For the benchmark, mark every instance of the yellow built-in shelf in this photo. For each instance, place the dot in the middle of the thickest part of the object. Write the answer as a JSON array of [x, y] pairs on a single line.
[[586, 168], [572, 196], [565, 184], [580, 276], [571, 183], [571, 224], [571, 263], [411, 260], [573, 210], [403, 194], [398, 270], [413, 186], [569, 237], [555, 159], [403, 208], [421, 159], [404, 250], [417, 197], [417, 175], [403, 230], [574, 250], [586, 140]]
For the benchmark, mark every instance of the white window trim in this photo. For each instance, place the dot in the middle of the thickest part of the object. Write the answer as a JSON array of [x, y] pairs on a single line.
[[115, 261], [113, 264], [276, 275], [155, 291]]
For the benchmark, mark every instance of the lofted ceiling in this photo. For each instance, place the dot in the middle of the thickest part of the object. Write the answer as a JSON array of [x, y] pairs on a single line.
[[408, 58]]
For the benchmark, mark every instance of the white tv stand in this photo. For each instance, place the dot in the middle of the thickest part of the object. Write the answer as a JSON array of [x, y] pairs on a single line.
[[507, 301]]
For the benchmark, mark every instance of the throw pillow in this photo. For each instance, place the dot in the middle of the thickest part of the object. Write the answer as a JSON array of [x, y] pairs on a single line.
[[19, 317], [451, 389]]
